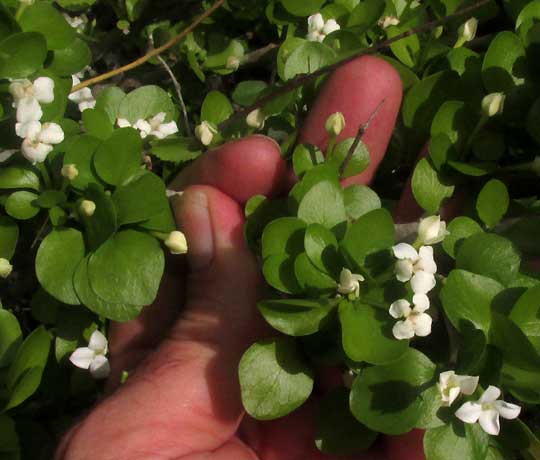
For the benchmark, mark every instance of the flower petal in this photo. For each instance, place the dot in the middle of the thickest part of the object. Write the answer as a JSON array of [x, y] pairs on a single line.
[[330, 26], [490, 395], [315, 23], [28, 109], [445, 377], [452, 396], [168, 129], [100, 367], [35, 152], [422, 282], [403, 330], [400, 308], [489, 421], [98, 342], [507, 410], [421, 302], [404, 270], [421, 324], [51, 133], [467, 384], [82, 357], [123, 123], [469, 412], [44, 89], [405, 251], [426, 262], [29, 130]]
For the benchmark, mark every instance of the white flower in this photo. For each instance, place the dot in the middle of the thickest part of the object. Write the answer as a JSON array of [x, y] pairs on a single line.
[[416, 321], [255, 119], [487, 410], [432, 230], [39, 139], [123, 123], [93, 357], [83, 97], [28, 109], [467, 30], [205, 133], [417, 266], [335, 124], [493, 104], [349, 282], [154, 126], [42, 90], [5, 268], [318, 29], [387, 21], [452, 385], [77, 22], [176, 242]]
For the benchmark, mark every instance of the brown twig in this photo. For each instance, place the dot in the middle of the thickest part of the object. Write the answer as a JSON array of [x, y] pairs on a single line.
[[361, 131], [153, 53], [301, 80]]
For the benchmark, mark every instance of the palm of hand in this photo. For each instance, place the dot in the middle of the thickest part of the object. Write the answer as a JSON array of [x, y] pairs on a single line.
[[183, 401]]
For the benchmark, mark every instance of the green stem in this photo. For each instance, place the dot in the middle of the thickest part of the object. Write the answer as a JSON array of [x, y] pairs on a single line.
[[20, 11], [45, 175]]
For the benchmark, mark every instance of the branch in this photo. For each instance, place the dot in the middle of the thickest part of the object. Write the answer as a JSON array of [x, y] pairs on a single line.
[[153, 53], [301, 80]]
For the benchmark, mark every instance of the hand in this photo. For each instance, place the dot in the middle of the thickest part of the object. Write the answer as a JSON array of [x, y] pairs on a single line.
[[182, 399]]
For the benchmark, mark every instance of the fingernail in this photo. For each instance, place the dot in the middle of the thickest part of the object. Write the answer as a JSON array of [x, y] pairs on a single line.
[[194, 219]]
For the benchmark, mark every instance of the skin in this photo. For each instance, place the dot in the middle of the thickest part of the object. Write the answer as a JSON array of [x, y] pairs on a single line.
[[182, 399]]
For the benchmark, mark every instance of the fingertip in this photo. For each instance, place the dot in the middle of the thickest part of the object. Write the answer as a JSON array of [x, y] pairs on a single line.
[[356, 89], [240, 169]]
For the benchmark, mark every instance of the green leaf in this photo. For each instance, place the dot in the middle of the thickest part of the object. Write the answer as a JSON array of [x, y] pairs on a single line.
[[10, 337], [460, 228], [24, 375], [119, 157], [140, 199], [9, 235], [145, 102], [296, 317], [20, 205], [127, 268], [56, 261], [367, 334], [103, 223], [81, 153], [302, 7], [467, 297], [504, 63], [489, 255], [109, 101], [71, 59], [18, 177], [338, 432], [360, 159], [455, 120], [313, 281], [428, 188], [42, 17], [8, 24], [388, 398], [323, 204], [9, 439], [307, 58], [407, 49], [322, 249], [359, 200], [176, 149], [216, 108], [283, 236], [247, 92], [279, 272], [523, 234], [492, 203], [474, 169], [97, 123], [456, 441], [365, 15], [112, 311], [369, 239], [526, 315], [274, 380], [22, 54], [305, 157], [50, 198]]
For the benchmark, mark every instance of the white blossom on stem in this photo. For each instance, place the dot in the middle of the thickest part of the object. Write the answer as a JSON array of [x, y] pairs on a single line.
[[417, 266], [39, 140], [154, 126], [94, 356], [176, 242], [205, 133], [349, 282], [41, 89], [487, 411], [318, 28], [452, 385], [83, 97], [415, 320], [431, 230]]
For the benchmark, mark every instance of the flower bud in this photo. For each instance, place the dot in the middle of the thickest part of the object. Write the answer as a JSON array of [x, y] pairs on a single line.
[[431, 230], [335, 124], [69, 171], [467, 30], [255, 119], [5, 268], [87, 208], [233, 63], [493, 104], [387, 21], [205, 133], [176, 242]]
